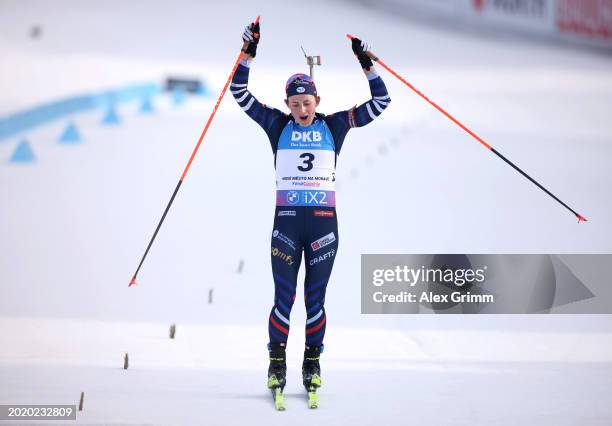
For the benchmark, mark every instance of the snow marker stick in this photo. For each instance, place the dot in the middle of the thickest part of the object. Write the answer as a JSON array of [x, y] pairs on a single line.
[[193, 154], [470, 132]]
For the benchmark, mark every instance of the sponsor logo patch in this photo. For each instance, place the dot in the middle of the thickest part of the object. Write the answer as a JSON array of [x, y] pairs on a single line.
[[293, 197], [281, 254], [286, 213], [285, 239], [323, 241], [324, 213], [306, 136], [322, 258], [315, 197]]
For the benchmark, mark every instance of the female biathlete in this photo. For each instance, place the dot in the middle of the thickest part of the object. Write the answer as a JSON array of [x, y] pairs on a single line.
[[306, 145]]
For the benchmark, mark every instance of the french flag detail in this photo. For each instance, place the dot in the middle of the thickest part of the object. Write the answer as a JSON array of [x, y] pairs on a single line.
[[316, 327], [278, 326]]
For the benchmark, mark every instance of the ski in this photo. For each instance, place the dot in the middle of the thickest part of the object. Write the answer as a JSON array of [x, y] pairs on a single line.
[[314, 382], [279, 399], [313, 399], [277, 393]]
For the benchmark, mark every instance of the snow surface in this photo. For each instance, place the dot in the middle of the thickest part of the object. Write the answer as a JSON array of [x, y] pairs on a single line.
[[74, 224]]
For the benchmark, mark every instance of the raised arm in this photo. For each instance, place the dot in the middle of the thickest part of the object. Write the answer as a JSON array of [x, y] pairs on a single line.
[[263, 115], [341, 122], [368, 111]]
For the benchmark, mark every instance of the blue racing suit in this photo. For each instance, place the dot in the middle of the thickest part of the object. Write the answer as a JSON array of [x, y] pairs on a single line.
[[305, 218]]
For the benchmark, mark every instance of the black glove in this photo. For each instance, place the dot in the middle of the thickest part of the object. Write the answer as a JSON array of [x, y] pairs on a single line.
[[360, 48], [251, 36]]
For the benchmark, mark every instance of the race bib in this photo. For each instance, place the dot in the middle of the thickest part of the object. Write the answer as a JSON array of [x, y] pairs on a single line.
[[305, 166]]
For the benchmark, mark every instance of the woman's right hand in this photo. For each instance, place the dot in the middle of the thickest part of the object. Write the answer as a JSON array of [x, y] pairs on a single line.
[[250, 36], [361, 49]]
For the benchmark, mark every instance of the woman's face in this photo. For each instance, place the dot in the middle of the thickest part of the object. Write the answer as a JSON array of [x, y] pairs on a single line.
[[303, 108]]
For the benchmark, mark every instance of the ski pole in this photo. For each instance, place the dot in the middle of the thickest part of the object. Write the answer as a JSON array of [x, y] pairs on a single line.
[[470, 132], [193, 154]]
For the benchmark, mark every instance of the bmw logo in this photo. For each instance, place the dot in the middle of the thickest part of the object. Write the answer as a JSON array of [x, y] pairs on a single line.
[[293, 197]]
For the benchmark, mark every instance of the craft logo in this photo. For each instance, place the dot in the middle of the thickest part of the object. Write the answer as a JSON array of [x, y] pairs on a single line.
[[323, 257], [323, 241], [286, 213]]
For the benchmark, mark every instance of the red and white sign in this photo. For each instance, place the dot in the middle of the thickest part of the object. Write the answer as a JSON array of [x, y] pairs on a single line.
[[582, 22], [588, 18]]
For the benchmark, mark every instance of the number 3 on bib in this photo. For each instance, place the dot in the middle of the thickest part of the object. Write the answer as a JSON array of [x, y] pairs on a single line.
[[308, 159]]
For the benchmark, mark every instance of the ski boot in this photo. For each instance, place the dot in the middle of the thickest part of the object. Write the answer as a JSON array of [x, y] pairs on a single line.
[[277, 373], [311, 373]]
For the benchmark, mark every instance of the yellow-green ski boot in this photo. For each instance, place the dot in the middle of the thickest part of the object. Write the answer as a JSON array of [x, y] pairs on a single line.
[[277, 373], [311, 374]]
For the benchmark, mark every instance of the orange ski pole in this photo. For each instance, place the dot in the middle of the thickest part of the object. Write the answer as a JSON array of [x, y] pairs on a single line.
[[470, 132], [193, 154]]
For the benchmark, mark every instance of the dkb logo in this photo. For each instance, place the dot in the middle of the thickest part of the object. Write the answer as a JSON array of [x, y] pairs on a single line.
[[308, 136]]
